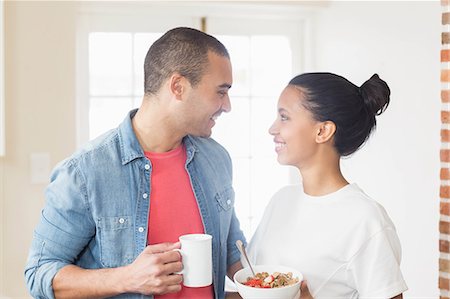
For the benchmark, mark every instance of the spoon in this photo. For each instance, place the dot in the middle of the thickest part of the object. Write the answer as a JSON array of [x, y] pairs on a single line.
[[241, 248]]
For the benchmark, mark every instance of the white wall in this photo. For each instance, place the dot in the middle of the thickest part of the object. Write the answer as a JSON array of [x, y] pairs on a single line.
[[40, 117], [399, 166]]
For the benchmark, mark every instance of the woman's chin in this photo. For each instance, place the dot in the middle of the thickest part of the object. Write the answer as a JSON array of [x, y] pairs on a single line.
[[282, 160]]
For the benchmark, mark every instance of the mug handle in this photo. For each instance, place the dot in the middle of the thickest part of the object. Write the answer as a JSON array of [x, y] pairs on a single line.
[[181, 253]]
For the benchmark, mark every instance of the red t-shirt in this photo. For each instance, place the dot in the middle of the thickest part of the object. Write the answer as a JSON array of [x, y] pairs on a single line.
[[173, 209]]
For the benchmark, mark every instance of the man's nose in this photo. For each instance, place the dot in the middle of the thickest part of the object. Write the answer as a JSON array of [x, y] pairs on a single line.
[[226, 106]]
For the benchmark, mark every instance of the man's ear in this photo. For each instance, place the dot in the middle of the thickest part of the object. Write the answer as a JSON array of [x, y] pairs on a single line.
[[177, 84], [325, 131]]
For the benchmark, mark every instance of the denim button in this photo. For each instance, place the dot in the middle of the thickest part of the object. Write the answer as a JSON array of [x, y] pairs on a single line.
[[121, 220], [141, 229], [228, 202], [145, 195], [147, 167]]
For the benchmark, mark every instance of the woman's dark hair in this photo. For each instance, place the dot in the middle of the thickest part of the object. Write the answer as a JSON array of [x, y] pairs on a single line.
[[352, 109]]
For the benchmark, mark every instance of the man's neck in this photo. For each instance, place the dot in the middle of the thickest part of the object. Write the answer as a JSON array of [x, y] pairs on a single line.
[[154, 129]]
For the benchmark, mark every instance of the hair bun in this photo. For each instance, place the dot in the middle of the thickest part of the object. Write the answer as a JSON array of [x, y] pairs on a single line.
[[375, 93]]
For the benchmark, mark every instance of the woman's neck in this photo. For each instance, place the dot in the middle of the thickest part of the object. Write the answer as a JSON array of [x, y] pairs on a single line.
[[323, 178]]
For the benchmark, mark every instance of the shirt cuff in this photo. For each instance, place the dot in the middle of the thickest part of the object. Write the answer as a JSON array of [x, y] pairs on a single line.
[[389, 292], [45, 274]]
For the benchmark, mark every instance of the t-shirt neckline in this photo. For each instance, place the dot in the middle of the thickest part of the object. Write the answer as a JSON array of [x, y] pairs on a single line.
[[336, 194], [172, 153]]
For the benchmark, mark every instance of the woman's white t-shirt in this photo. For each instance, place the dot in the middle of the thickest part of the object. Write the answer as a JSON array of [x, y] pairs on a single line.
[[344, 243]]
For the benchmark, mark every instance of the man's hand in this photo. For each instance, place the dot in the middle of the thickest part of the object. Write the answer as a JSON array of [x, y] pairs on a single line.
[[152, 273]]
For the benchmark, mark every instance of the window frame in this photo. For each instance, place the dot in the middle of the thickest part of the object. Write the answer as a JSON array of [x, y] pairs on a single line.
[[119, 16], [96, 17]]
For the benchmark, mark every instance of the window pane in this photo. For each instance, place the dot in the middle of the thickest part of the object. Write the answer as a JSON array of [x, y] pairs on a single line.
[[241, 185], [239, 49], [142, 42], [271, 63], [232, 130], [264, 112], [137, 102], [106, 113], [109, 63], [267, 177], [261, 69]]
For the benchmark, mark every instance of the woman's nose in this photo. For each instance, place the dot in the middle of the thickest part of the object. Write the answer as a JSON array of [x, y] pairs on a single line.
[[273, 129]]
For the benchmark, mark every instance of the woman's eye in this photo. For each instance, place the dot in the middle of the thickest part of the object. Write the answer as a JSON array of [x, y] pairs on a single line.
[[283, 117]]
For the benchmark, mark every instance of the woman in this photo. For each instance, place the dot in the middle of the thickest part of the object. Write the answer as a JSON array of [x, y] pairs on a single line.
[[339, 238]]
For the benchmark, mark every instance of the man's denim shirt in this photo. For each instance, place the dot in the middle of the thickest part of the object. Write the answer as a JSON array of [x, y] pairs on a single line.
[[98, 201]]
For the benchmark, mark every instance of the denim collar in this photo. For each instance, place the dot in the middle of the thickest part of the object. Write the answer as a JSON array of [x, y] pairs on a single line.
[[130, 148]]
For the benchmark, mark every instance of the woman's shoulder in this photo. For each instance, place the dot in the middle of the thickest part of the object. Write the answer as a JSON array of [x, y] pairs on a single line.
[[367, 209], [288, 193], [285, 196]]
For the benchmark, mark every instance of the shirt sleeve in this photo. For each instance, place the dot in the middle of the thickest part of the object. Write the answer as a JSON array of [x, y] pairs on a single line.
[[64, 230], [235, 234], [374, 271]]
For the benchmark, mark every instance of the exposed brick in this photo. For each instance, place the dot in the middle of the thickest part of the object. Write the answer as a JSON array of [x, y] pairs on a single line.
[[445, 18], [444, 283], [445, 174], [444, 246], [444, 265], [445, 117], [445, 2], [442, 297], [445, 208], [445, 135], [445, 96], [445, 75], [444, 227], [445, 55], [445, 38], [444, 192], [445, 155]]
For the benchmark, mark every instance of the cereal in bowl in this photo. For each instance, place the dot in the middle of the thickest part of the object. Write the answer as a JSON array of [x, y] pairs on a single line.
[[275, 280]]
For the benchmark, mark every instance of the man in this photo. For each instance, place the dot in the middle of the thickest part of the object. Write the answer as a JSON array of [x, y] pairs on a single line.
[[116, 208]]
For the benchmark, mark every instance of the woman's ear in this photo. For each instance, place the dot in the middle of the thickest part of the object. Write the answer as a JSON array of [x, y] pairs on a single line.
[[325, 131]]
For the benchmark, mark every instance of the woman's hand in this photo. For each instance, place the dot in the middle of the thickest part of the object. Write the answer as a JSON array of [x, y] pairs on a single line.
[[305, 294], [232, 295]]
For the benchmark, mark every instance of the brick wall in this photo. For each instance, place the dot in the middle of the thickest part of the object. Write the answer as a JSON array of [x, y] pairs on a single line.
[[444, 223]]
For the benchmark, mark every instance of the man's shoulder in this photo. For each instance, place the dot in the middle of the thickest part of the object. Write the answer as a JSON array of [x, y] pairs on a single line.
[[102, 147]]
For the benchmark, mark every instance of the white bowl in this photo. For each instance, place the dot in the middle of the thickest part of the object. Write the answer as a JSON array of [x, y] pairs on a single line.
[[246, 292]]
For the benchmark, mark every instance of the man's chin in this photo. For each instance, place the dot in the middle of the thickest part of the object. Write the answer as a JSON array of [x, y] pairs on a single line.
[[206, 135], [202, 134]]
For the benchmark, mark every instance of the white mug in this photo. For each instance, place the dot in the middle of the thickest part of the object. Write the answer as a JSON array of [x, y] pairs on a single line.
[[196, 254]]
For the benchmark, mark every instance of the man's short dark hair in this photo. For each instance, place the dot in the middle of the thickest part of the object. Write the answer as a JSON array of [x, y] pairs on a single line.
[[182, 50]]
